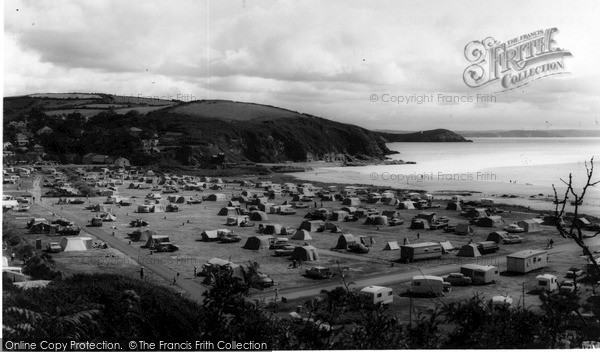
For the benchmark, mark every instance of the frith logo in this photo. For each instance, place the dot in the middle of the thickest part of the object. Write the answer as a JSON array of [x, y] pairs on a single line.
[[516, 62]]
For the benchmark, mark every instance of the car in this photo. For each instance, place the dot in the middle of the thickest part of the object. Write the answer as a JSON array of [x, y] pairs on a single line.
[[287, 211], [53, 247], [300, 205], [568, 286], [230, 238], [71, 230], [319, 272], [279, 243], [514, 228], [285, 251], [166, 247], [511, 239], [457, 279], [396, 222], [351, 218], [574, 272], [449, 228]]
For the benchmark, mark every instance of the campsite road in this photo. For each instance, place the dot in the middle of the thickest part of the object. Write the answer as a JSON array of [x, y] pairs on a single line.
[[394, 278], [152, 263]]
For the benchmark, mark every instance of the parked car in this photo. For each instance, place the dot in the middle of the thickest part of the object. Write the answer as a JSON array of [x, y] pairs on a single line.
[[574, 272], [514, 228], [230, 238], [395, 222], [351, 218], [457, 279], [287, 211], [53, 247], [166, 247], [319, 272], [568, 286], [511, 239]]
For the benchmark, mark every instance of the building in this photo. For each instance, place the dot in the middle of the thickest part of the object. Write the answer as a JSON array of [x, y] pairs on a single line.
[[21, 140], [45, 130], [134, 131]]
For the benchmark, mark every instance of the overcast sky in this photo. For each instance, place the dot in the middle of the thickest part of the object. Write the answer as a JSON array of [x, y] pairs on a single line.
[[326, 58]]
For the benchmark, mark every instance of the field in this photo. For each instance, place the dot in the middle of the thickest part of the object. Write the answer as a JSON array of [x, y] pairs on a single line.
[[184, 229], [232, 110]]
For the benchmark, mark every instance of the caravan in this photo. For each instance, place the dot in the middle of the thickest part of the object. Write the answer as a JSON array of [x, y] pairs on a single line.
[[378, 294], [480, 274], [429, 285]]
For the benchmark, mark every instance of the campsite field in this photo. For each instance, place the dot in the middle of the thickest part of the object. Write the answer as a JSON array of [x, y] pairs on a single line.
[[184, 229]]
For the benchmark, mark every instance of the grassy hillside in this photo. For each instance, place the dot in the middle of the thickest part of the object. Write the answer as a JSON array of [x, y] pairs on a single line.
[[231, 110]]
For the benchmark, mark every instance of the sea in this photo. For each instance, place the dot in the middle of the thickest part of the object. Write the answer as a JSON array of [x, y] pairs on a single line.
[[491, 166]]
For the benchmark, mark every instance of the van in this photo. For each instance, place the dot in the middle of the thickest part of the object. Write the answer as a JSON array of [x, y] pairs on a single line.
[[546, 282], [429, 285]]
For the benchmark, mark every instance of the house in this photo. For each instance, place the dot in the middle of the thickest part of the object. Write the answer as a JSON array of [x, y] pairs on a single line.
[[150, 144], [21, 140], [122, 162], [134, 131], [44, 130], [38, 149], [378, 294], [526, 261]]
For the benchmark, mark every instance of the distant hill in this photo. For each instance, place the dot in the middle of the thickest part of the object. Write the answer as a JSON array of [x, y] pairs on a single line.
[[532, 133], [438, 135]]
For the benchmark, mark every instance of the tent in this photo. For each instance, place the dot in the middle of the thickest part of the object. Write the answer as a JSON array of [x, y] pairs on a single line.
[[228, 211], [530, 225], [391, 214], [176, 199], [477, 213], [376, 220], [266, 207], [72, 244], [406, 205], [302, 235], [311, 225], [215, 197], [390, 201], [463, 229], [109, 217], [417, 224], [87, 241], [258, 242], [258, 216], [237, 220], [154, 240], [391, 246], [157, 208], [141, 235], [327, 198], [497, 236], [469, 250], [344, 241], [272, 229], [143, 209], [352, 202], [338, 215], [234, 203], [349, 210], [209, 235], [454, 206], [336, 229], [490, 221], [305, 253], [447, 247]]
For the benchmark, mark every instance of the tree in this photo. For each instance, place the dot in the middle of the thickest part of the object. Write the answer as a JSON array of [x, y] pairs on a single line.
[[575, 230]]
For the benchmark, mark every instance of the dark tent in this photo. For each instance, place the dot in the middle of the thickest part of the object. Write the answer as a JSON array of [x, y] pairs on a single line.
[[258, 215], [258, 242], [490, 221], [344, 241], [141, 235], [305, 253]]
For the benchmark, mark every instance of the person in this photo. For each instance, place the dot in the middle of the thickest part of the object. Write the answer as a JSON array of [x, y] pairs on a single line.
[[174, 280], [195, 271], [405, 241], [34, 199], [551, 243], [13, 256], [142, 273], [418, 235]]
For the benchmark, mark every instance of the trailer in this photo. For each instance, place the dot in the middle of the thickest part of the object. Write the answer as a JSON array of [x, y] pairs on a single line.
[[526, 261], [480, 274], [378, 294], [420, 251], [429, 285]]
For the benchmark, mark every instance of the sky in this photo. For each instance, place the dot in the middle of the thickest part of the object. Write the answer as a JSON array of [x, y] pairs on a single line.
[[357, 62]]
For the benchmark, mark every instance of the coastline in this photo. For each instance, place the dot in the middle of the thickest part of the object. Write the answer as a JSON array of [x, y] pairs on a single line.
[[490, 183]]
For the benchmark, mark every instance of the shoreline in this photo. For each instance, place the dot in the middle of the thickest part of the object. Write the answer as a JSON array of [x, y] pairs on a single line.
[[538, 197]]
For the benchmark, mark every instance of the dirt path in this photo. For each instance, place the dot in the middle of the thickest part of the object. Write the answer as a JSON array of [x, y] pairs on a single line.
[[194, 289]]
